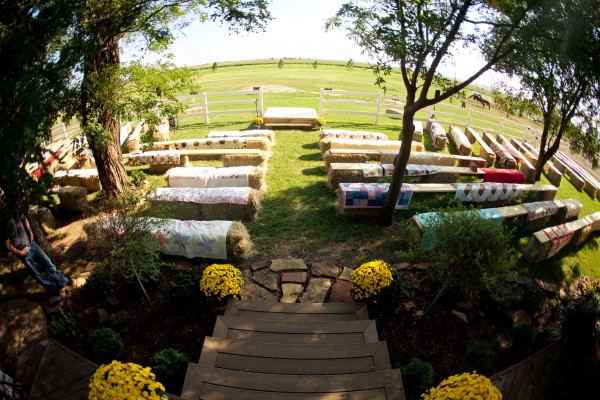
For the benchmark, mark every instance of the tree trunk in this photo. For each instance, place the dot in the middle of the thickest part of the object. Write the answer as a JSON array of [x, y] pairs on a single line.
[[99, 86], [408, 129]]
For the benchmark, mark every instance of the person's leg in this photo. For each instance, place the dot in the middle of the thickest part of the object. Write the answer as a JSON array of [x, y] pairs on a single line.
[[33, 268], [44, 261]]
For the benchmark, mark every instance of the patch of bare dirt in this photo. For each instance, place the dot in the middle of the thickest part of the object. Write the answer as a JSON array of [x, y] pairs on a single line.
[[275, 89]]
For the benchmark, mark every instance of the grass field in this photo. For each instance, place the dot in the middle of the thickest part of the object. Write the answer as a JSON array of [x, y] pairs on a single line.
[[298, 217]]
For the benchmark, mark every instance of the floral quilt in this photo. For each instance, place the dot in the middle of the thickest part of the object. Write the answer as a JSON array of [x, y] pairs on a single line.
[[480, 192], [211, 143], [159, 157], [218, 195], [372, 195], [200, 177], [359, 135], [437, 133]]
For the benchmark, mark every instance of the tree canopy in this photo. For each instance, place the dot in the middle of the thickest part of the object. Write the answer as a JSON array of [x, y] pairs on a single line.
[[419, 36]]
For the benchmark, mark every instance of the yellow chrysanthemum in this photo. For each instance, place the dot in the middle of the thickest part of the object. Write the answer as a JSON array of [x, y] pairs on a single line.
[[221, 281], [370, 278], [124, 381], [466, 386]]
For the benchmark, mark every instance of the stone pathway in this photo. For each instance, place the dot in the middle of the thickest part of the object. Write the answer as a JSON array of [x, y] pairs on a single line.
[[291, 280]]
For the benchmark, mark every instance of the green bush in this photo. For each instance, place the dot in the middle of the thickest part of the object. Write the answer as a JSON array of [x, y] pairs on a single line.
[[478, 357], [64, 326], [417, 377], [400, 290], [472, 253], [106, 344], [169, 364], [545, 335], [523, 337], [99, 285], [137, 177], [184, 286]]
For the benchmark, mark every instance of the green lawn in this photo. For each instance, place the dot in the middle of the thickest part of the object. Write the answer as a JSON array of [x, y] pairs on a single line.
[[298, 217]]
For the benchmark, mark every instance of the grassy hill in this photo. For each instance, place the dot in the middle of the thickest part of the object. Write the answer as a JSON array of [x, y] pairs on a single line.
[[298, 217]]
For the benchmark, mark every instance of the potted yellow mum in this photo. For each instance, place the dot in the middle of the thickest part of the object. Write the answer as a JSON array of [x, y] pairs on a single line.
[[221, 281], [117, 381]]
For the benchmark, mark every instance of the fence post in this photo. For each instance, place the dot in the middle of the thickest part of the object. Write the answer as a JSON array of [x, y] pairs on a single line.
[[261, 103], [321, 101], [469, 117], [501, 126], [205, 106], [378, 109], [64, 130]]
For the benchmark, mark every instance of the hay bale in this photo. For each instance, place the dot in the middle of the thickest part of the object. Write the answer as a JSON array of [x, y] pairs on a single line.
[[239, 245], [206, 209], [240, 160], [438, 135], [258, 143], [358, 144], [73, 199], [460, 141], [199, 177], [256, 133], [344, 158], [335, 177], [161, 131]]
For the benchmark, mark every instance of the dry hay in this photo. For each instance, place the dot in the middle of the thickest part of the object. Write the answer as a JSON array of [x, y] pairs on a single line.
[[335, 177], [259, 143], [256, 180], [345, 158], [220, 211], [238, 243], [241, 160]]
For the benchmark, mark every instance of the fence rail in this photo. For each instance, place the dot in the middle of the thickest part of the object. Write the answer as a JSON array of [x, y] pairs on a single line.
[[205, 107]]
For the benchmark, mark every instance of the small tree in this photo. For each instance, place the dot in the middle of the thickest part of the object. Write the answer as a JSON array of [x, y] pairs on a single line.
[[280, 63], [471, 253], [315, 64], [214, 66]]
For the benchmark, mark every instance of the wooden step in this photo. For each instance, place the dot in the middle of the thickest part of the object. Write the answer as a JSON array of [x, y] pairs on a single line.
[[309, 332], [298, 359], [296, 311], [209, 383]]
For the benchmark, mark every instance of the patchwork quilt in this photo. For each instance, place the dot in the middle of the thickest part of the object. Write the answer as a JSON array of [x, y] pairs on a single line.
[[594, 221], [480, 192], [158, 157], [540, 209], [560, 235], [374, 170], [218, 195], [200, 177], [438, 134], [372, 195]]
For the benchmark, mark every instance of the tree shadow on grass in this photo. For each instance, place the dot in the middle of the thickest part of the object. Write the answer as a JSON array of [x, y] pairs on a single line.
[[310, 146], [310, 157]]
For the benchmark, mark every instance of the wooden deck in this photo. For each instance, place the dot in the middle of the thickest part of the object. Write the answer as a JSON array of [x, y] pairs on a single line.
[[297, 351], [62, 375], [522, 381]]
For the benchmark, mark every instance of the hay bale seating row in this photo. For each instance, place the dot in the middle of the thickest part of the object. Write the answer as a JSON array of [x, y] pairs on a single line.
[[589, 184], [265, 133], [359, 172], [87, 178], [365, 199], [438, 135], [485, 151], [549, 241], [551, 171], [504, 158], [355, 135], [162, 160], [227, 203], [200, 177], [524, 164], [530, 215], [220, 240], [258, 143], [355, 144], [362, 155], [460, 140]]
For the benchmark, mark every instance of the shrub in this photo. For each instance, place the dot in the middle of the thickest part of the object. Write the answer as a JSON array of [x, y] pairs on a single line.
[[461, 262], [397, 292], [99, 285], [117, 381], [545, 335], [137, 177], [106, 343], [417, 376], [169, 363], [221, 281], [523, 337], [478, 357], [64, 326], [184, 286], [465, 386], [370, 278]]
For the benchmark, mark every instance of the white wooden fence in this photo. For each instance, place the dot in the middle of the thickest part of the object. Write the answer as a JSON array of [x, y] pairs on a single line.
[[202, 103], [379, 105]]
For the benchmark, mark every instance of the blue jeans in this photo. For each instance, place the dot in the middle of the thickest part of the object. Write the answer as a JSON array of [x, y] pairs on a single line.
[[37, 262]]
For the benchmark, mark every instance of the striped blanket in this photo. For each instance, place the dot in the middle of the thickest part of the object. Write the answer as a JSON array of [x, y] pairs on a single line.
[[540, 209], [560, 235]]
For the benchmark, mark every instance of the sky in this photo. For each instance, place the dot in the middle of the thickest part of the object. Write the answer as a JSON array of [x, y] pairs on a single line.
[[296, 31]]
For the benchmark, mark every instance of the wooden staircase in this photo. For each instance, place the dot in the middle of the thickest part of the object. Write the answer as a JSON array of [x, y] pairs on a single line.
[[293, 351]]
